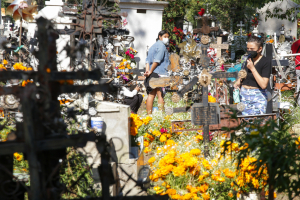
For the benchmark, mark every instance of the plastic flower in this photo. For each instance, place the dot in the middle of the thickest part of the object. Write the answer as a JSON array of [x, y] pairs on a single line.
[[20, 9]]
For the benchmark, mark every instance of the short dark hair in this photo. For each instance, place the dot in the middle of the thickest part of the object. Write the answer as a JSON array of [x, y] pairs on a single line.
[[258, 40], [161, 33]]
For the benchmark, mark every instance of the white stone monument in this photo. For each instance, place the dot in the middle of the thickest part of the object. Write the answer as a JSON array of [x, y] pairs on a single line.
[[144, 22], [51, 12], [274, 24]]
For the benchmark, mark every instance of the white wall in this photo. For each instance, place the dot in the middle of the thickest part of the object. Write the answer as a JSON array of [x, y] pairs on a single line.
[[273, 24], [144, 27]]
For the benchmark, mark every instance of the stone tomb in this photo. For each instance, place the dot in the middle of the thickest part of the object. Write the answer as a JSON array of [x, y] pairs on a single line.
[[144, 22], [117, 128]]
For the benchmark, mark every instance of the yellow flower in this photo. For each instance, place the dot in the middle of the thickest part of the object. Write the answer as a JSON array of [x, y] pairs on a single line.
[[5, 62], [171, 191], [157, 133], [198, 138], [196, 152], [162, 138], [170, 142], [147, 150], [2, 67], [206, 165], [18, 156], [151, 160], [230, 194], [211, 99], [205, 196], [146, 143], [179, 170]]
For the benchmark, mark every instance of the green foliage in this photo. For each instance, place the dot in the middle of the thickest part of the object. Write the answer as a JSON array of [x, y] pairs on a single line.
[[278, 13], [174, 11], [76, 175], [274, 147]]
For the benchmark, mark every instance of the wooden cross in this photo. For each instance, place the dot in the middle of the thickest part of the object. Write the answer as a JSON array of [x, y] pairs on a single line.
[[219, 46], [205, 27], [241, 27]]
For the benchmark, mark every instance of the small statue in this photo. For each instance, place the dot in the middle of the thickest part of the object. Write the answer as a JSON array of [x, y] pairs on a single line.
[[282, 36]]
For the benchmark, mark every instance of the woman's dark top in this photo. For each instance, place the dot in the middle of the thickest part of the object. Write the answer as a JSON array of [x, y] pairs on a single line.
[[263, 67]]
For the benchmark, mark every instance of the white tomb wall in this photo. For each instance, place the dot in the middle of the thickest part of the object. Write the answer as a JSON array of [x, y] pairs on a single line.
[[144, 27], [274, 24]]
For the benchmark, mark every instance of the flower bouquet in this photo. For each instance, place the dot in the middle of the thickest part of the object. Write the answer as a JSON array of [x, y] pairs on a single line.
[[128, 61]]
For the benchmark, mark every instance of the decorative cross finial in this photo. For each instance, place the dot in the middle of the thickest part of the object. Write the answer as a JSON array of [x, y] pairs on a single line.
[[109, 47], [241, 27]]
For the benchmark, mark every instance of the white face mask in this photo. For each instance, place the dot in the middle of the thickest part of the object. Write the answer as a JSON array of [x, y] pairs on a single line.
[[165, 40]]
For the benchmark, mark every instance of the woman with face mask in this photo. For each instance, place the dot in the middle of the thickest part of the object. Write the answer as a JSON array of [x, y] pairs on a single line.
[[253, 89], [157, 63]]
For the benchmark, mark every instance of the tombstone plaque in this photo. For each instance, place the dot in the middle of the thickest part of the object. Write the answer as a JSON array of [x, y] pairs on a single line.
[[205, 115]]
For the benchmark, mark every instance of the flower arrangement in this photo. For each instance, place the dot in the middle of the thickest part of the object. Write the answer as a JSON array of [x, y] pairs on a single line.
[[130, 53], [128, 62], [179, 169]]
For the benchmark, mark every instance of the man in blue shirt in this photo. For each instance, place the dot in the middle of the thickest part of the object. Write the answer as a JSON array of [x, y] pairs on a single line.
[[157, 63]]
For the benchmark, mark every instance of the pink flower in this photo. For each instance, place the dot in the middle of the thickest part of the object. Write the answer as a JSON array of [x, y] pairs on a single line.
[[163, 130], [127, 52], [125, 22], [222, 67], [131, 56]]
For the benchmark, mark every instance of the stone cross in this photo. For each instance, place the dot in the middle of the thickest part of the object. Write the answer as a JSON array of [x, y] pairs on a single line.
[[241, 27], [109, 47], [219, 46]]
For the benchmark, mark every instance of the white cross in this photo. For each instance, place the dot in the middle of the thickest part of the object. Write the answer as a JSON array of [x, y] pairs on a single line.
[[219, 46], [109, 47], [7, 25], [241, 27]]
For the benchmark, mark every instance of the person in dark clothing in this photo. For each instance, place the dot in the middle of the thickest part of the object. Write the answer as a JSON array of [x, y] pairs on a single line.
[[130, 91], [253, 91]]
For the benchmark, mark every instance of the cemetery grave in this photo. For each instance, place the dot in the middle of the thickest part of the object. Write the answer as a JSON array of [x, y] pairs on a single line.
[[67, 133]]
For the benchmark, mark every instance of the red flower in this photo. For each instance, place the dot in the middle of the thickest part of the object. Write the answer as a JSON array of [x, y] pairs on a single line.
[[163, 130], [131, 56]]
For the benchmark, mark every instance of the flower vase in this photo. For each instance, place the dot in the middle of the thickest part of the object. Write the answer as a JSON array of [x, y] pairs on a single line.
[[251, 196]]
